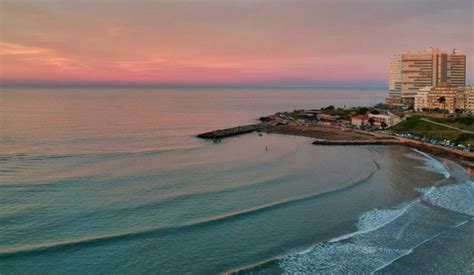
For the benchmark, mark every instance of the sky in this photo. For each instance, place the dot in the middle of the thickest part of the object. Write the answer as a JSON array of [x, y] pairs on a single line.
[[238, 42]]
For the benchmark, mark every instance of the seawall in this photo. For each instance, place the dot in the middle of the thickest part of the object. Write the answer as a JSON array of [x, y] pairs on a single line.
[[438, 149], [358, 142], [223, 133]]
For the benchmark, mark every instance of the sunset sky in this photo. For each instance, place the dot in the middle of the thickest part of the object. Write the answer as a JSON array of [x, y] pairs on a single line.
[[223, 42]]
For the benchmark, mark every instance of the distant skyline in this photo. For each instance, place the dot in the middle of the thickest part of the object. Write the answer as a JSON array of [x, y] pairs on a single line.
[[223, 43]]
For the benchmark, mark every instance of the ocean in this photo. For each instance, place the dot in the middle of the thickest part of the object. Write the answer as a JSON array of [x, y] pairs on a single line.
[[101, 181]]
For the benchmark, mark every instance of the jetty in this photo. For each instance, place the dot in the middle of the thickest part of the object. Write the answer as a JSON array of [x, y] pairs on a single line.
[[234, 131]]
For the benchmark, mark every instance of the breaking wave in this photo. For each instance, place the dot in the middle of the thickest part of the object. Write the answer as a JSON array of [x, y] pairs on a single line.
[[458, 197], [386, 235], [431, 164], [374, 220]]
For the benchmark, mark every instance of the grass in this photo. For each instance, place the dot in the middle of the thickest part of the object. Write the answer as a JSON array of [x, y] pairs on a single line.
[[416, 126], [465, 123], [344, 113]]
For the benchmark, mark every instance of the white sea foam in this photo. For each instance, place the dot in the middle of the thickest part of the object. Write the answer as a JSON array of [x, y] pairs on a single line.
[[346, 257], [460, 224], [373, 220], [364, 250], [408, 251], [378, 218], [432, 164], [367, 253], [457, 197], [340, 258]]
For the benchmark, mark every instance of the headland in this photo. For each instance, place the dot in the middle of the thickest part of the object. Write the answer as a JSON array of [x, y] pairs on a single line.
[[334, 130]]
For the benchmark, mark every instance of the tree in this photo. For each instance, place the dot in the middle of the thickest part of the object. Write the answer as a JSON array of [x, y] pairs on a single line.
[[330, 107], [362, 110], [375, 112], [371, 122]]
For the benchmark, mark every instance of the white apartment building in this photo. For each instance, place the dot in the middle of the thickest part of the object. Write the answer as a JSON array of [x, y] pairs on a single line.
[[395, 77], [421, 99], [469, 98], [455, 97]]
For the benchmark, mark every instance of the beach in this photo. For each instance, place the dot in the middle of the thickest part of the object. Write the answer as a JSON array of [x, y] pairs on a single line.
[[336, 135]]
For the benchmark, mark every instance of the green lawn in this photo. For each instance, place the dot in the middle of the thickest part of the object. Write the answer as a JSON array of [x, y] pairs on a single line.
[[343, 113], [465, 123], [416, 126]]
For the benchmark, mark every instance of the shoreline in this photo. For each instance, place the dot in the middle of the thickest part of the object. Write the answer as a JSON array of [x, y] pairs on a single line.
[[370, 138], [330, 135]]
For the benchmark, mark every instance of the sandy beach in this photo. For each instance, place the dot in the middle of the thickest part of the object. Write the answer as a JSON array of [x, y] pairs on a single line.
[[320, 132], [333, 135]]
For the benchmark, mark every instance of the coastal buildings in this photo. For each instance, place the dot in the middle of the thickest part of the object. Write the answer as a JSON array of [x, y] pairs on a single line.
[[409, 72], [395, 77], [360, 120], [384, 120], [327, 118], [377, 120], [421, 99], [457, 68], [469, 99], [444, 97]]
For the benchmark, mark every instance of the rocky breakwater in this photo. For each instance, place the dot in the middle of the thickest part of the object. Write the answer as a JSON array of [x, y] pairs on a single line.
[[234, 131]]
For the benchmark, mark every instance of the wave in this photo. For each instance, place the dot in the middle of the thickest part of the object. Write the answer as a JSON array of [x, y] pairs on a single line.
[[341, 258], [172, 200], [368, 250], [373, 220], [28, 157], [268, 182], [457, 197], [154, 231], [408, 252], [54, 184], [460, 224], [431, 164]]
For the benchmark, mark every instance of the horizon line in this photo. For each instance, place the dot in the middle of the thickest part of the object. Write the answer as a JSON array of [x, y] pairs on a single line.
[[273, 85]]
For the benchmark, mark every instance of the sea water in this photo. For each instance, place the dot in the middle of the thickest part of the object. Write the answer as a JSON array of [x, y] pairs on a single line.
[[107, 181]]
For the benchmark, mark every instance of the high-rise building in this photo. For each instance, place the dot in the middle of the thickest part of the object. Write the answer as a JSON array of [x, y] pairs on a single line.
[[457, 68], [395, 77], [412, 71]]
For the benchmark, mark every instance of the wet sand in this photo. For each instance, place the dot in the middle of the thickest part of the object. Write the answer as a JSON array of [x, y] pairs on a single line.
[[342, 135], [320, 132]]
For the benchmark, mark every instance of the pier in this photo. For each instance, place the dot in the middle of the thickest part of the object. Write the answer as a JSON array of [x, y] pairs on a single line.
[[234, 131]]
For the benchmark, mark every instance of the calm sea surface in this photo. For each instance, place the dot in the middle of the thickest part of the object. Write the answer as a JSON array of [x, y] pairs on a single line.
[[107, 181]]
